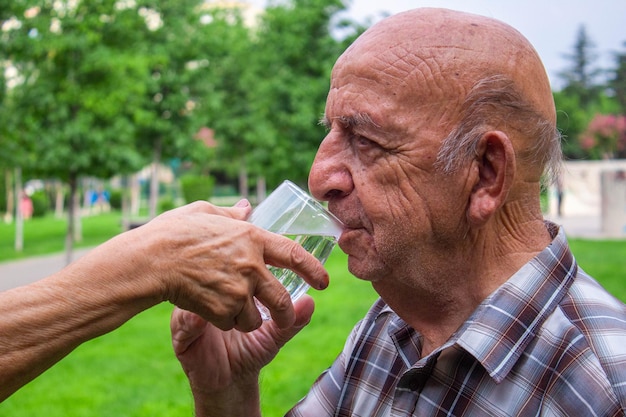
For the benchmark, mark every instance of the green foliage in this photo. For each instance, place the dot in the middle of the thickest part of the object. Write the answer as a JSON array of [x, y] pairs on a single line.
[[41, 203], [115, 199], [196, 187], [617, 81], [274, 102], [572, 120], [168, 114], [105, 86], [79, 80], [584, 100], [166, 203], [581, 78]]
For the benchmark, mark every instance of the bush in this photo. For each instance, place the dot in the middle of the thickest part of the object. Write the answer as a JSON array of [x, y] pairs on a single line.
[[196, 187], [41, 203], [115, 199], [166, 203]]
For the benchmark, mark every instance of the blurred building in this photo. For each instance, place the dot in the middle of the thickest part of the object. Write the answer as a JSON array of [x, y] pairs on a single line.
[[593, 190]]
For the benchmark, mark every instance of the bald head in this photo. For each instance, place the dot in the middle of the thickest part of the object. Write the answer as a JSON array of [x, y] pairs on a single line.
[[439, 58], [455, 50]]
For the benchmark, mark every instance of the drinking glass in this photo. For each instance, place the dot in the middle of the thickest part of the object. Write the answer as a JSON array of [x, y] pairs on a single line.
[[291, 212]]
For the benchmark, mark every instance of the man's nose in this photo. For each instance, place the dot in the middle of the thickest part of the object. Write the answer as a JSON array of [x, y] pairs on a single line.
[[330, 176]]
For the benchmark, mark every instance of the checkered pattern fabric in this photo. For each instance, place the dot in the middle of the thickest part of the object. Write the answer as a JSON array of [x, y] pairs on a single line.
[[549, 342]]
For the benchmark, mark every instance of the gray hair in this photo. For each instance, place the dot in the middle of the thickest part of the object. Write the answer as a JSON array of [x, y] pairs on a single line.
[[495, 101]]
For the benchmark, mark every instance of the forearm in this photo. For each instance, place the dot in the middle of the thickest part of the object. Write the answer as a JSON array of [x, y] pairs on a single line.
[[44, 321]]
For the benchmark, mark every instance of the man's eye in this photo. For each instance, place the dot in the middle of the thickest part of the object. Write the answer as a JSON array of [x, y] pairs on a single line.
[[362, 141]]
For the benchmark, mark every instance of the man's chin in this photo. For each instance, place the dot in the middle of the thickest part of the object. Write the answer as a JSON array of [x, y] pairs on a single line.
[[363, 268]]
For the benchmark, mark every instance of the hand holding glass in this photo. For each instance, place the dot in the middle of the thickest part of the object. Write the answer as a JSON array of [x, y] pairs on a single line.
[[291, 212]]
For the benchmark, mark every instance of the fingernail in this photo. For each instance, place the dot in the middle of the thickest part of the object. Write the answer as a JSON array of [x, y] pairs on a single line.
[[323, 285], [243, 203]]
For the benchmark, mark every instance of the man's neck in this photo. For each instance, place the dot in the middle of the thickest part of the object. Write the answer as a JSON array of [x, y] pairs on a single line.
[[463, 279]]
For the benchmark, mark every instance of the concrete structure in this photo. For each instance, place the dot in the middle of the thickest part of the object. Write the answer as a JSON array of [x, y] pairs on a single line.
[[593, 189]]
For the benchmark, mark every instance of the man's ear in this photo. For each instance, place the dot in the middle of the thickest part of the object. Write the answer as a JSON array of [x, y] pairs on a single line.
[[495, 160]]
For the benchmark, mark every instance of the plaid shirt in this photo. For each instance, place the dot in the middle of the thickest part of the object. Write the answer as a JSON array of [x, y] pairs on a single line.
[[550, 341]]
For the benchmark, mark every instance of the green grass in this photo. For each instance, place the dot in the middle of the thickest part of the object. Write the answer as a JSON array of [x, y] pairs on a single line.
[[47, 234], [604, 260], [133, 372]]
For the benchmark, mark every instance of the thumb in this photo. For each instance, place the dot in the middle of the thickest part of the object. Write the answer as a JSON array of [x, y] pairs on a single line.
[[186, 327], [242, 209], [304, 308]]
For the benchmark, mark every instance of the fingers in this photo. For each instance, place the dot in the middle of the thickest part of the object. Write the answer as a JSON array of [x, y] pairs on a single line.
[[271, 293], [239, 211], [249, 319], [304, 308], [278, 251], [221, 284], [285, 253]]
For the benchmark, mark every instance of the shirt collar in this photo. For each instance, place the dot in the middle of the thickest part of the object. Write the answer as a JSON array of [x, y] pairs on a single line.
[[503, 325]]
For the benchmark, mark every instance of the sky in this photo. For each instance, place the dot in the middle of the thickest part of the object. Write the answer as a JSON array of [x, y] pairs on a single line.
[[550, 25]]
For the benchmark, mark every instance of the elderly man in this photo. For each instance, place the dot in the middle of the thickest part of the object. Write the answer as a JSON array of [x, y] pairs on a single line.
[[440, 126]]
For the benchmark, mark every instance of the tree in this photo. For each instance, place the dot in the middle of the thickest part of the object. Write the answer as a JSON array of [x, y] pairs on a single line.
[[171, 106], [227, 51], [12, 155], [281, 94], [572, 120], [76, 103], [618, 81], [581, 98], [581, 79]]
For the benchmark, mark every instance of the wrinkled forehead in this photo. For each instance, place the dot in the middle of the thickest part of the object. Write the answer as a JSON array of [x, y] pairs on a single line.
[[443, 35], [434, 54]]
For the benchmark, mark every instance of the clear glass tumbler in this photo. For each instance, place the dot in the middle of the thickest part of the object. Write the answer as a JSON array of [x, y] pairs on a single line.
[[291, 212]]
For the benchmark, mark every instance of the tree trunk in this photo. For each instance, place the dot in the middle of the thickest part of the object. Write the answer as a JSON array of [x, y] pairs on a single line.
[[135, 195], [78, 213], [243, 180], [8, 175], [71, 219], [125, 202], [59, 200], [88, 188], [261, 189], [154, 178], [19, 216]]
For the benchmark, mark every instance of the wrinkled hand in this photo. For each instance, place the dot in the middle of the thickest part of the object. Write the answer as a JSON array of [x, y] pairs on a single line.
[[223, 366], [214, 262]]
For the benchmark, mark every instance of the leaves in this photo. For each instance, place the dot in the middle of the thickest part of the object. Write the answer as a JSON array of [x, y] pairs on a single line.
[[100, 84], [585, 105]]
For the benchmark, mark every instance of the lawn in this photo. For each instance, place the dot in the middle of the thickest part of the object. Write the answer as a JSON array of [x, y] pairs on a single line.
[[44, 235], [132, 371], [605, 260]]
